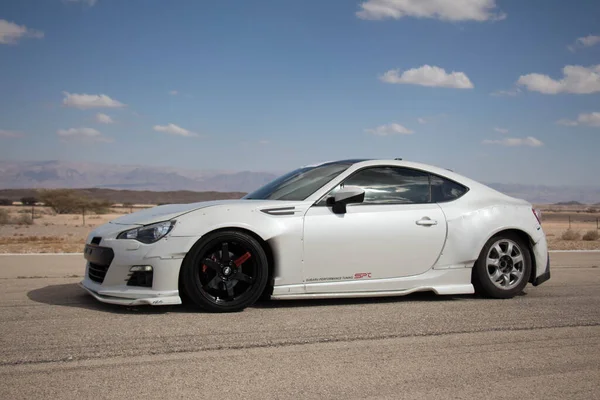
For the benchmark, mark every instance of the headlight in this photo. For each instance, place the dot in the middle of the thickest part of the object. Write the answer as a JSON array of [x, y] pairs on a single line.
[[149, 233]]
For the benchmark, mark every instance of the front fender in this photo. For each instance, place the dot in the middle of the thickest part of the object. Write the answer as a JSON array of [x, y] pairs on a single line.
[[283, 233]]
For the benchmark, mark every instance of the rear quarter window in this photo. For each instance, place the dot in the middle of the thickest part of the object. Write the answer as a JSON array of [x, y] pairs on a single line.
[[444, 190]]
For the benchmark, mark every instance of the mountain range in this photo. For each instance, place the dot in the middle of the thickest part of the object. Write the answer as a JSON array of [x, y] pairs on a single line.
[[64, 174]]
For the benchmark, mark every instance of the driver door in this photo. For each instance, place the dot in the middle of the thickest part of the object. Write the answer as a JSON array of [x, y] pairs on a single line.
[[396, 232]]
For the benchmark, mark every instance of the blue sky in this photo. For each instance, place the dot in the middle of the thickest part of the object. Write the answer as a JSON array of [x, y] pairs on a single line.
[[502, 91]]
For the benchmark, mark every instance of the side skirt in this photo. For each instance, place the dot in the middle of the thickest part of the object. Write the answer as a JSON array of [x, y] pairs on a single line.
[[440, 290], [440, 281]]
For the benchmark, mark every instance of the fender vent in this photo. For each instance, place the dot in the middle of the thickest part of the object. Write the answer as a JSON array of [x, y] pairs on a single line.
[[280, 211]]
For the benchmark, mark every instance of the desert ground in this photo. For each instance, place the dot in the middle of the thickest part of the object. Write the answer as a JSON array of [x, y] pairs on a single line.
[[59, 343], [51, 232], [66, 233]]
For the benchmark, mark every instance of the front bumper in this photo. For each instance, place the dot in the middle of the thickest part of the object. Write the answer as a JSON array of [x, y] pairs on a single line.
[[107, 275]]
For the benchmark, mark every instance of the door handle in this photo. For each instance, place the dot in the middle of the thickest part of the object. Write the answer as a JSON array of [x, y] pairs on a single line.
[[426, 221]]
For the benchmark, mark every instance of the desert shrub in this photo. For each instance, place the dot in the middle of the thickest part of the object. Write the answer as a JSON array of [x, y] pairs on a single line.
[[570, 234], [591, 235], [23, 220], [45, 211], [62, 201], [29, 201], [100, 207], [4, 217], [66, 201], [5, 202], [27, 211]]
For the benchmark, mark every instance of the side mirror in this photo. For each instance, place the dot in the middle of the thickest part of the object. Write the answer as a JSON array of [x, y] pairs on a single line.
[[346, 195]]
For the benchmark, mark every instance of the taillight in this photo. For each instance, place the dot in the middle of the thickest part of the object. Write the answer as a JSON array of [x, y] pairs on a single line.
[[538, 215]]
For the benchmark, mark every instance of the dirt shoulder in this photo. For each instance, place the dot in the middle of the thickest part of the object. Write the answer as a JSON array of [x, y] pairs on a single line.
[[49, 232]]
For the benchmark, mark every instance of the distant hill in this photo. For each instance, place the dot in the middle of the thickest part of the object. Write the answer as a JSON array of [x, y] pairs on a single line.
[[542, 194], [62, 174], [568, 203]]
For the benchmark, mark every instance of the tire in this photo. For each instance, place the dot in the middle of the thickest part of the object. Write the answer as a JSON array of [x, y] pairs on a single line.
[[503, 267], [212, 279]]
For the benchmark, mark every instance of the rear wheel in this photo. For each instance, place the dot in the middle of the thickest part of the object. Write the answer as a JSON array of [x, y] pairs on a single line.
[[503, 267], [225, 271]]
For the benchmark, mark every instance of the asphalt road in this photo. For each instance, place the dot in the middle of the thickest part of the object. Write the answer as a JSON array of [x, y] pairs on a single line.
[[57, 342]]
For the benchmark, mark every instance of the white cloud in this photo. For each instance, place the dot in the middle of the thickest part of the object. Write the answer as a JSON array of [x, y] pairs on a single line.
[[428, 76], [430, 119], [173, 92], [173, 129], [90, 3], [567, 122], [512, 142], [586, 41], [264, 141], [10, 134], [10, 33], [389, 129], [590, 119], [104, 119], [85, 101], [83, 133], [501, 130], [576, 79], [509, 92], [448, 10]]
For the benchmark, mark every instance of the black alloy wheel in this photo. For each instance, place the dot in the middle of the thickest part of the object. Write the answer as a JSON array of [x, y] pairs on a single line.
[[225, 271]]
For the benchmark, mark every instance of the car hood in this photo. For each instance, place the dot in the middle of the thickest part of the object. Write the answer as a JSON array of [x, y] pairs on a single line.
[[170, 211]]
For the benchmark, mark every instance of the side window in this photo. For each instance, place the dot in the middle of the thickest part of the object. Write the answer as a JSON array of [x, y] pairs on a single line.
[[445, 190], [391, 185]]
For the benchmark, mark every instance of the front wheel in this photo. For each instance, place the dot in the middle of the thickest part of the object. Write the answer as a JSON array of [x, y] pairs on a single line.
[[503, 267], [225, 271]]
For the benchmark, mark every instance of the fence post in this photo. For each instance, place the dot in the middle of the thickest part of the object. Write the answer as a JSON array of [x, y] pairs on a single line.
[[32, 213], [569, 222]]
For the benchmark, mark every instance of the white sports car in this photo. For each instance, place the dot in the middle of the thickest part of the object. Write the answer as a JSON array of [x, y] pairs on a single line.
[[351, 228]]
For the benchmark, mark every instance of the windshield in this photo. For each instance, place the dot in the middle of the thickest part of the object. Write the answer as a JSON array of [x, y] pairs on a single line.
[[298, 184]]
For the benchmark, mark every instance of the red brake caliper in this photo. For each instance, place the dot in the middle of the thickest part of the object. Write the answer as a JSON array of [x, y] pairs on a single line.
[[238, 263]]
